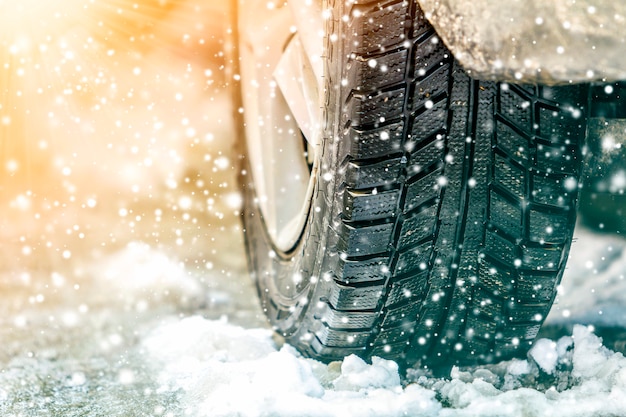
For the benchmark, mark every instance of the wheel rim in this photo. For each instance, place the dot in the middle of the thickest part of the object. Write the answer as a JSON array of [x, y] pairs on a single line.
[[282, 82]]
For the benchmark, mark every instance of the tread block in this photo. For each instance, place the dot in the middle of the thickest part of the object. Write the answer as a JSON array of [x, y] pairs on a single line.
[[379, 28], [376, 108], [369, 270], [509, 176], [411, 288], [557, 158], [369, 206], [431, 56], [487, 305], [379, 174], [425, 157], [377, 72], [478, 327], [504, 215], [515, 107], [420, 24], [518, 312], [530, 332], [422, 190], [341, 338], [476, 347], [390, 350], [394, 336], [401, 316], [414, 259], [535, 288], [551, 191], [500, 248], [349, 320], [542, 258], [418, 227], [508, 349], [495, 280], [343, 298], [434, 89], [560, 125], [525, 333], [364, 240], [430, 121], [515, 145], [548, 227], [376, 143]]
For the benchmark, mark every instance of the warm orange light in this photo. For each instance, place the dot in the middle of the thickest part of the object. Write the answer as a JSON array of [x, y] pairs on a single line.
[[100, 101]]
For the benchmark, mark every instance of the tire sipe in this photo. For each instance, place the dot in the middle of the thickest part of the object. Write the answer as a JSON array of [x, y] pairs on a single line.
[[442, 209]]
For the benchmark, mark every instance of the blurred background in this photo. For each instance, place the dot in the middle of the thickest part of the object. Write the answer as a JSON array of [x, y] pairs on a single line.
[[118, 202], [115, 127]]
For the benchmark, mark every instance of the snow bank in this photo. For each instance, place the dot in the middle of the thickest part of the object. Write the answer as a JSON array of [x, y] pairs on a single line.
[[225, 370]]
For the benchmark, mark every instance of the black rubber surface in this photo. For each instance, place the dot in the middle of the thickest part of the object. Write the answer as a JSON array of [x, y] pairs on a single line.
[[443, 231]]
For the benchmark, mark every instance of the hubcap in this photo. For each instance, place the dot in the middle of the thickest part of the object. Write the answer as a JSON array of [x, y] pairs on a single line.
[[281, 48]]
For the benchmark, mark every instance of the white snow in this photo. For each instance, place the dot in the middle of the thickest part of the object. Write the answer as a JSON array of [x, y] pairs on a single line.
[[155, 277], [225, 370], [545, 355]]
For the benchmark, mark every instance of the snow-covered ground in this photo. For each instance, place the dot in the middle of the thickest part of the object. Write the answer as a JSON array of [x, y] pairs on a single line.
[[123, 285], [144, 334]]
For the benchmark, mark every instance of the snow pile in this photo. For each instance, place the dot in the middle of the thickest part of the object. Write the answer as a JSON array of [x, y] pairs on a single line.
[[140, 277], [592, 290], [223, 370], [574, 376]]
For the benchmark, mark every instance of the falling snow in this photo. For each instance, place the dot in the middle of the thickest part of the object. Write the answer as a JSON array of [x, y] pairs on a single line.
[[123, 282]]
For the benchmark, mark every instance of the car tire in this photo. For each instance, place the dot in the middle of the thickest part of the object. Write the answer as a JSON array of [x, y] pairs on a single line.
[[442, 208]]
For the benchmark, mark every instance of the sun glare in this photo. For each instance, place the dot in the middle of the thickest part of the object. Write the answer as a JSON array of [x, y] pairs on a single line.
[[97, 94], [68, 59]]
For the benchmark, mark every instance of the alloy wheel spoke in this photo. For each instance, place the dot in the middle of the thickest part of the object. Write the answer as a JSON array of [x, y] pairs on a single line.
[[296, 79]]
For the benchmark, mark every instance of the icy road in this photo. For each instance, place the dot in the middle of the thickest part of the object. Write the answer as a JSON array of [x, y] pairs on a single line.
[[123, 284]]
